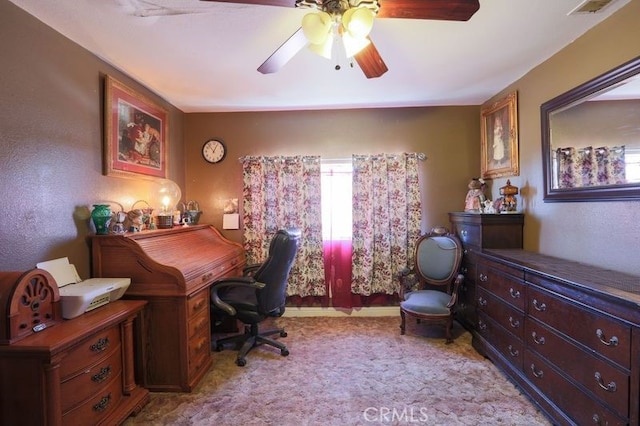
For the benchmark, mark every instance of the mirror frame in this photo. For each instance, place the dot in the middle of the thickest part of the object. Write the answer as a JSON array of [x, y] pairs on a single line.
[[584, 91]]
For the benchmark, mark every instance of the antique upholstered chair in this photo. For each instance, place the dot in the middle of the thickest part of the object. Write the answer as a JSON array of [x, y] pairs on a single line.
[[430, 289], [259, 294]]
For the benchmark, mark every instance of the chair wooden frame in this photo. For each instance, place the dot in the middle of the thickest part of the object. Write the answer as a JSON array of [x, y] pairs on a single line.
[[420, 282]]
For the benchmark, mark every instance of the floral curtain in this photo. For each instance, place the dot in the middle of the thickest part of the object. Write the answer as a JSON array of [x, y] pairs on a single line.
[[284, 192], [386, 220], [590, 167]]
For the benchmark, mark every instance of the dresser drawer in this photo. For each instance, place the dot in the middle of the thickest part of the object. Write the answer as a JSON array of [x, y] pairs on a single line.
[[605, 335], [90, 351], [91, 380], [199, 324], [197, 302], [469, 234], [504, 314], [498, 282], [608, 383], [97, 407], [506, 343], [574, 402]]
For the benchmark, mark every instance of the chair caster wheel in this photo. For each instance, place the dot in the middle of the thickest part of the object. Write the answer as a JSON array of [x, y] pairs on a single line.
[[241, 362], [283, 334], [284, 352]]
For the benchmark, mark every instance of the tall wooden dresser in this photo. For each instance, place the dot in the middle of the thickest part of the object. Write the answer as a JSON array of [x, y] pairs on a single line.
[[477, 232], [567, 333], [172, 269]]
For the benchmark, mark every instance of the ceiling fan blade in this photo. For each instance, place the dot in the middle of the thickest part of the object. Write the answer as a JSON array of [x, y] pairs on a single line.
[[281, 3], [370, 61], [445, 10], [284, 53]]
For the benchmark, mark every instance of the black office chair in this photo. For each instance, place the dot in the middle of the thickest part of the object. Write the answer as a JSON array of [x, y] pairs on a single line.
[[260, 293]]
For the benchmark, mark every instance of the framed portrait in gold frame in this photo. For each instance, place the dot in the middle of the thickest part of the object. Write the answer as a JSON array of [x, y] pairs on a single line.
[[499, 138], [136, 133]]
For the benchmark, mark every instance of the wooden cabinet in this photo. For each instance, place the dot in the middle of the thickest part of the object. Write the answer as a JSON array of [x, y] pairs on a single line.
[[576, 347], [172, 270], [476, 232], [78, 372]]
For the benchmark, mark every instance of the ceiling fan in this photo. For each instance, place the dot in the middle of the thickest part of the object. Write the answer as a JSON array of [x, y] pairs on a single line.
[[368, 58]]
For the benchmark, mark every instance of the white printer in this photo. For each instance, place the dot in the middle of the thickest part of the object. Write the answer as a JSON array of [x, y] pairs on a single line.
[[79, 296]]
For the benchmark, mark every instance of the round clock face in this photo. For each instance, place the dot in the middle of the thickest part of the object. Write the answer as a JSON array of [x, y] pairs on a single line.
[[214, 151]]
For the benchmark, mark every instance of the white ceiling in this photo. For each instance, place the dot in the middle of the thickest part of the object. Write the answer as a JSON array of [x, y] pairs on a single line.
[[202, 56]]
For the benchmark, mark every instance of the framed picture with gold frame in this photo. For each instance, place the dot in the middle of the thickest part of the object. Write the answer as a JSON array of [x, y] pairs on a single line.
[[499, 138], [136, 133]]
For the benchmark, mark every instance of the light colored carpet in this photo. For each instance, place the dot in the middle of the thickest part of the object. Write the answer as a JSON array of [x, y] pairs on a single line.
[[350, 371]]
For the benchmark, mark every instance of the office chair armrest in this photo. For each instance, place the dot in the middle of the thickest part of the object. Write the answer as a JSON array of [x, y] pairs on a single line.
[[231, 282], [249, 270], [454, 294]]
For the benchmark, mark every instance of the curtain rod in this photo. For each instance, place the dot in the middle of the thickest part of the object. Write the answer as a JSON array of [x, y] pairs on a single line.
[[421, 156]]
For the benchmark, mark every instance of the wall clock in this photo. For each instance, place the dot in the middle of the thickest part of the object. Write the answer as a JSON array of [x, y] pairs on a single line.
[[214, 151]]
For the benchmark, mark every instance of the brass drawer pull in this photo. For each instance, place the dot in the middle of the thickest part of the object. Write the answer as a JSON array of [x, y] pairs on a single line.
[[611, 342], [481, 325], [514, 323], [102, 375], [538, 340], [536, 372], [540, 307], [482, 301], [611, 387], [103, 403], [483, 278], [513, 352], [100, 345], [514, 293]]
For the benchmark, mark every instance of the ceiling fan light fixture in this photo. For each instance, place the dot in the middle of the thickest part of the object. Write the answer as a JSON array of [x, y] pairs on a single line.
[[317, 27], [323, 49], [358, 21], [353, 45]]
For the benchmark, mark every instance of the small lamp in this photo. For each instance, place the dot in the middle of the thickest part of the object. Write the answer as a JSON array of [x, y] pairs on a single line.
[[167, 195]]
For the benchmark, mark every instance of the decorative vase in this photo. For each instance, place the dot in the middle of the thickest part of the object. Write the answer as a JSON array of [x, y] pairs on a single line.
[[101, 216]]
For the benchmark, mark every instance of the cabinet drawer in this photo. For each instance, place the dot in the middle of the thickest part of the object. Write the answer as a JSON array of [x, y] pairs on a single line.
[[577, 404], [506, 343], [469, 234], [90, 351], [199, 324], [509, 288], [606, 382], [505, 315], [91, 381], [97, 407], [198, 302], [603, 334]]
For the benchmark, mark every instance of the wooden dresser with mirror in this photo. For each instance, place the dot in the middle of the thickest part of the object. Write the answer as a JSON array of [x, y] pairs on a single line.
[[171, 269]]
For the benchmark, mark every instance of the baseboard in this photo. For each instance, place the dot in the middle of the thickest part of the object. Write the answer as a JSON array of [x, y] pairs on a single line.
[[373, 311]]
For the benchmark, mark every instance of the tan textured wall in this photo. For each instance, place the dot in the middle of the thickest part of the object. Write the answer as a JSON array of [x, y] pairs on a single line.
[[606, 234], [51, 144], [449, 136]]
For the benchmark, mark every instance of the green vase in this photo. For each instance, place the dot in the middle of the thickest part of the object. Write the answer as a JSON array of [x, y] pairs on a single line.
[[101, 216]]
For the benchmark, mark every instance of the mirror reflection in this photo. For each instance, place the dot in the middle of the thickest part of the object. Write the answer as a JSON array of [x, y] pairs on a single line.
[[591, 139], [596, 142]]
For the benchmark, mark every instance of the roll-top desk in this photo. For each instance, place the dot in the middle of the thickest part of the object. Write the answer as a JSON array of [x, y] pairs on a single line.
[[567, 333], [172, 269]]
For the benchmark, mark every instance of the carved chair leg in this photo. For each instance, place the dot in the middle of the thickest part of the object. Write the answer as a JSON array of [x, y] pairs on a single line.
[[402, 322], [449, 326]]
